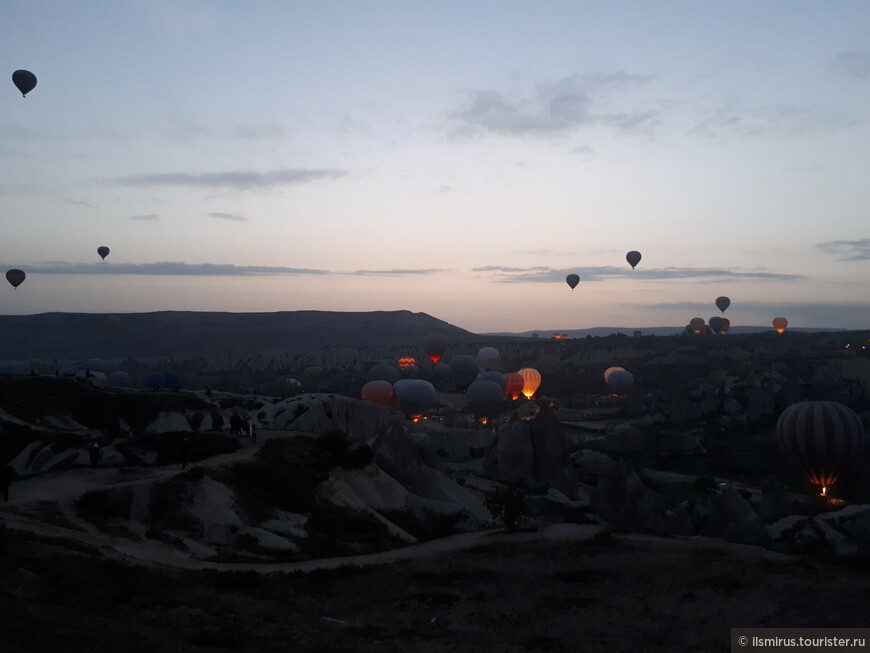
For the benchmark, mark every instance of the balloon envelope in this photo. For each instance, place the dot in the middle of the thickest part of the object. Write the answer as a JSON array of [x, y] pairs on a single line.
[[415, 395], [717, 323], [696, 324], [633, 258], [464, 369], [531, 381], [24, 80], [488, 357], [103, 251], [492, 375], [722, 303], [572, 280], [514, 384], [15, 277], [384, 372], [780, 323], [435, 344], [609, 371], [822, 437], [378, 392], [620, 381]]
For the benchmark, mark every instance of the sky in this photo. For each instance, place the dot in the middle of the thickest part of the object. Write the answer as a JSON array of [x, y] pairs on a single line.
[[457, 158]]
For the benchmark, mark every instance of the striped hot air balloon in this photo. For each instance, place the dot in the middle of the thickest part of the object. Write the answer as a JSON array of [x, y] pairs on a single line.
[[823, 437]]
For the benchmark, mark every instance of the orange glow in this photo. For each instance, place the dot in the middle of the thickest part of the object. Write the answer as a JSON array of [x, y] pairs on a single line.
[[484, 420], [405, 361], [824, 491], [531, 381]]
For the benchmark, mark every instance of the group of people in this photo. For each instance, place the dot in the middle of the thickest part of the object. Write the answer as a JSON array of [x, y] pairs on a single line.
[[240, 426]]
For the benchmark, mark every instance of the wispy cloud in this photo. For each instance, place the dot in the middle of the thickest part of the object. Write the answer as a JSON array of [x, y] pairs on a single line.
[[847, 250], [548, 275], [553, 107], [147, 217], [779, 120], [855, 64], [398, 272], [168, 268], [69, 200], [235, 179], [236, 217]]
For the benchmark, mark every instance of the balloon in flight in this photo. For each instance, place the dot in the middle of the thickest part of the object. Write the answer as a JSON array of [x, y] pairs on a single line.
[[16, 277], [722, 303], [823, 437], [103, 251], [633, 258], [572, 280], [24, 80], [779, 323]]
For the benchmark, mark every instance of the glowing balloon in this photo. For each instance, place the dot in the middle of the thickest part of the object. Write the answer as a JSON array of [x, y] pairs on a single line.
[[572, 280], [697, 324], [633, 258], [514, 385], [779, 323], [725, 324], [24, 80], [722, 303], [531, 381], [103, 251], [611, 370], [823, 437], [435, 344], [378, 392], [16, 277]]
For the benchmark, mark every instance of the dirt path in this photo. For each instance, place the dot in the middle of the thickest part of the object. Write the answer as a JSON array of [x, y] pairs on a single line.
[[26, 511]]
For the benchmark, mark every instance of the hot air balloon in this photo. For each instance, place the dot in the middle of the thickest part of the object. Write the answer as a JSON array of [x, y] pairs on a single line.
[[823, 437], [633, 258], [488, 357], [378, 392], [514, 385], [696, 324], [779, 323], [24, 80], [383, 372], [16, 277], [485, 397], [492, 375], [572, 280], [464, 369], [103, 251], [611, 370], [531, 381], [415, 396], [435, 344], [620, 381], [722, 303], [716, 323], [725, 324]]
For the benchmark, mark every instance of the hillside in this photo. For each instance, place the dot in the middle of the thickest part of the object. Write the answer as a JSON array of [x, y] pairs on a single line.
[[187, 333]]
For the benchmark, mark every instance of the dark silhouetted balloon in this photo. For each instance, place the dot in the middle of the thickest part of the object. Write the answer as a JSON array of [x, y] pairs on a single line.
[[24, 80], [16, 277], [464, 369], [717, 323], [609, 371], [722, 303], [633, 258], [697, 324], [435, 344], [488, 357], [415, 395], [779, 323], [378, 392], [383, 372], [572, 280], [103, 251], [620, 381], [492, 375], [822, 437]]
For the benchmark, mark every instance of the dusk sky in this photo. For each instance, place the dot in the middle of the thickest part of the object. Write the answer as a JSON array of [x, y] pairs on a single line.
[[458, 158]]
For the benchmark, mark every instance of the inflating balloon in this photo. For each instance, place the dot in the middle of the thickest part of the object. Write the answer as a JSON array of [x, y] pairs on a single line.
[[435, 344], [531, 381], [378, 392]]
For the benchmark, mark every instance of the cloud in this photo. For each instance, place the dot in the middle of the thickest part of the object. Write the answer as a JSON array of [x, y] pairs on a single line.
[[548, 275], [398, 272], [855, 64], [554, 107], [584, 150], [228, 216], [236, 179], [69, 200], [847, 250], [259, 132], [167, 268], [780, 120], [148, 217]]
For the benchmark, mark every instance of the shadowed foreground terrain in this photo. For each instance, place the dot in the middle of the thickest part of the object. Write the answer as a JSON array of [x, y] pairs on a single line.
[[610, 593]]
